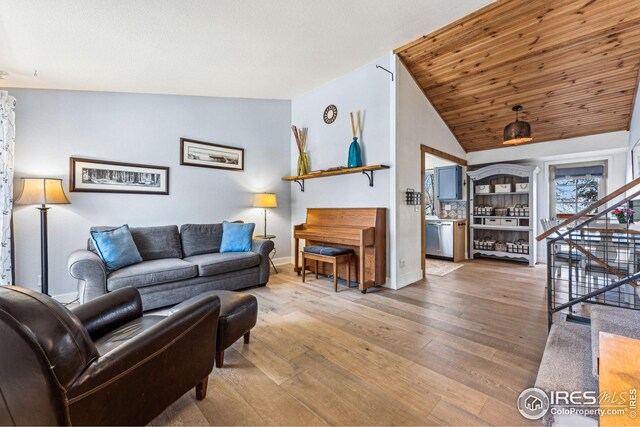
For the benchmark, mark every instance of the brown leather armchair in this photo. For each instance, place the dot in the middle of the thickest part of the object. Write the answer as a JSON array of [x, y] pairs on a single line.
[[103, 363]]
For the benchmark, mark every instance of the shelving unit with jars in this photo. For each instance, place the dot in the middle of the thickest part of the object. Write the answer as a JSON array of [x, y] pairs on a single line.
[[502, 212]]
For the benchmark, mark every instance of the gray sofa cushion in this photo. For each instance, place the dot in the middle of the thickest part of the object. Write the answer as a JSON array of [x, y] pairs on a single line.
[[218, 263], [152, 242], [157, 242], [152, 272], [199, 239]]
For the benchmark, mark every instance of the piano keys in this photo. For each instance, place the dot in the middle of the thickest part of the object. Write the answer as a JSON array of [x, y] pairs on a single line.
[[362, 229]]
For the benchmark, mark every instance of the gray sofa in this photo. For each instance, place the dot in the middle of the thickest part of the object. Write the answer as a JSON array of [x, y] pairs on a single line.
[[176, 265]]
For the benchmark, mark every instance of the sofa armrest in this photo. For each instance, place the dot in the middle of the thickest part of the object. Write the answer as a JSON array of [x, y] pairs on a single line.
[[263, 248], [152, 369], [102, 315], [91, 273]]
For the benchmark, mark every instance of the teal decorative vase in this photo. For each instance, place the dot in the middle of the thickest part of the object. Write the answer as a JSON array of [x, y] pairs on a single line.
[[355, 156]]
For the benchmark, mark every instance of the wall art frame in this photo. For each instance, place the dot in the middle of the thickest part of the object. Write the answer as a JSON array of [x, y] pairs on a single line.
[[103, 176], [209, 155]]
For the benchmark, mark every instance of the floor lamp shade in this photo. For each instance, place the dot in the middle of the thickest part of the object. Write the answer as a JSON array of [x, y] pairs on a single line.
[[43, 192], [265, 200]]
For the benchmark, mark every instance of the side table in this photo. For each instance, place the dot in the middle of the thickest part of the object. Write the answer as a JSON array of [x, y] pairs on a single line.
[[273, 253]]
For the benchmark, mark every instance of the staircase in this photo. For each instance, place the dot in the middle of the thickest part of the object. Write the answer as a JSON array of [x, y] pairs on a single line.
[[593, 273]]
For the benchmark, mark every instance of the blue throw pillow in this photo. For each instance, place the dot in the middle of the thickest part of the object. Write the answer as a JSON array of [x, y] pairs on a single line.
[[236, 237], [116, 247]]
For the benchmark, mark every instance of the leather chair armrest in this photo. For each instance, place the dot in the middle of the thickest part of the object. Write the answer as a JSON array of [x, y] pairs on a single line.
[[154, 351], [108, 312]]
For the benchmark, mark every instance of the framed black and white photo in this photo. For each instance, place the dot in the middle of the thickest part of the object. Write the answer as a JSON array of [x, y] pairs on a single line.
[[207, 155], [99, 176]]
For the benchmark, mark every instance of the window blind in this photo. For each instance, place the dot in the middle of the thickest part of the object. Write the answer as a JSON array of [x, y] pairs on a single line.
[[596, 171]]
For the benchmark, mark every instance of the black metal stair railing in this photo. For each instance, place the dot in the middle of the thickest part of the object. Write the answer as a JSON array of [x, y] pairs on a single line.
[[594, 260]]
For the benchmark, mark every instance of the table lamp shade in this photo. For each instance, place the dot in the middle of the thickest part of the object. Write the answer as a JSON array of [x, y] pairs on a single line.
[[41, 191], [265, 200]]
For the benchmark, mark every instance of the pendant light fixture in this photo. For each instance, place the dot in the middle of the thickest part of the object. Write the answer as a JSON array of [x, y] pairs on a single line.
[[517, 132]]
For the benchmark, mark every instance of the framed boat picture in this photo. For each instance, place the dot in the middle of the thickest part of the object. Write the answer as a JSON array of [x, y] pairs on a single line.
[[207, 155], [100, 176]]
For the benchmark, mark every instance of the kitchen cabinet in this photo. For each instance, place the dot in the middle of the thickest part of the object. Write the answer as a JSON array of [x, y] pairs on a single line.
[[449, 183]]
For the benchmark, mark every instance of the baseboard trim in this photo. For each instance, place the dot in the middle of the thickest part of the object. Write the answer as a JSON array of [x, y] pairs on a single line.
[[283, 261], [388, 284], [408, 278]]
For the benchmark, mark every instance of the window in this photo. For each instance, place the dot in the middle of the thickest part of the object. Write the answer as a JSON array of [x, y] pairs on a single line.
[[575, 187], [575, 194], [429, 199]]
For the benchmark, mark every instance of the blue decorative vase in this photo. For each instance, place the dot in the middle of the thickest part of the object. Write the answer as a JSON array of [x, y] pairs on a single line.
[[355, 156]]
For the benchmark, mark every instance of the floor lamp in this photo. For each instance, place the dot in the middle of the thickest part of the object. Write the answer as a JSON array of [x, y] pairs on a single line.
[[264, 201], [43, 192]]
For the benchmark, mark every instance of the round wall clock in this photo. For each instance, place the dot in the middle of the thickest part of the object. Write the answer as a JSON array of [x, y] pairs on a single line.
[[330, 114]]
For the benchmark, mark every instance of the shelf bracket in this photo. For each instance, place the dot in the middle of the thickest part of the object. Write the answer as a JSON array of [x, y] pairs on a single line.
[[300, 182], [370, 176]]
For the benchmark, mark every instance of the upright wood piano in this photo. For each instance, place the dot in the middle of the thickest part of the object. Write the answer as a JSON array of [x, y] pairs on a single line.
[[362, 229]]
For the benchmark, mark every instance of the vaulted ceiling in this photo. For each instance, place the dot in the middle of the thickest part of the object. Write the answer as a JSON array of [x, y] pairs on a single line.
[[243, 49], [572, 64]]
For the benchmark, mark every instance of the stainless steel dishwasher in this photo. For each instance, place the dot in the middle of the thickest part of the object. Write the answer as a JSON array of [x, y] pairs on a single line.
[[439, 238]]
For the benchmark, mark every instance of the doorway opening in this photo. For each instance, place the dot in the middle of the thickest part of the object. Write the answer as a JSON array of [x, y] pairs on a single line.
[[443, 196]]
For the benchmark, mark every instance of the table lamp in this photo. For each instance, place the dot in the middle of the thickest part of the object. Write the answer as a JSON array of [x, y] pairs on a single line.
[[264, 201], [43, 192]]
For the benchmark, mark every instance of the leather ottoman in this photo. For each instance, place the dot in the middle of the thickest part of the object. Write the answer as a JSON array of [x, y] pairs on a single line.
[[238, 315]]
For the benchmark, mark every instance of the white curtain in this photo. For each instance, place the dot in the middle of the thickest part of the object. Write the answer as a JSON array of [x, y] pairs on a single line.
[[7, 144]]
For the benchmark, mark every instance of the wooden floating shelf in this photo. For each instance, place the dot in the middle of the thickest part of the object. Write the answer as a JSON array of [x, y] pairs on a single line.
[[345, 171], [367, 170]]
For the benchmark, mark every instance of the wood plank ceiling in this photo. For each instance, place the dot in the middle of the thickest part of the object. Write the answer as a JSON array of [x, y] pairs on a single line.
[[572, 64]]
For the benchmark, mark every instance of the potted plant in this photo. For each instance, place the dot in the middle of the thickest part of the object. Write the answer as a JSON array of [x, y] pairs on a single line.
[[624, 215]]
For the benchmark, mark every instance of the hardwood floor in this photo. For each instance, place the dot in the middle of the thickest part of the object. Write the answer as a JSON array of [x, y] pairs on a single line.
[[453, 350]]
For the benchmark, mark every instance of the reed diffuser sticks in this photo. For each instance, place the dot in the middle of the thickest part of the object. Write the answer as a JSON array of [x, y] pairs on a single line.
[[301, 138], [301, 141], [355, 125]]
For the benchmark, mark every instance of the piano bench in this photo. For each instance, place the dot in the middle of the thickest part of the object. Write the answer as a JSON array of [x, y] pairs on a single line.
[[327, 254]]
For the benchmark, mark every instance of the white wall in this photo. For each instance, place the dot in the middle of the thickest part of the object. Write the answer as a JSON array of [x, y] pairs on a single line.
[[417, 123], [634, 137], [634, 129], [432, 162], [54, 125], [611, 147], [366, 89], [592, 143]]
